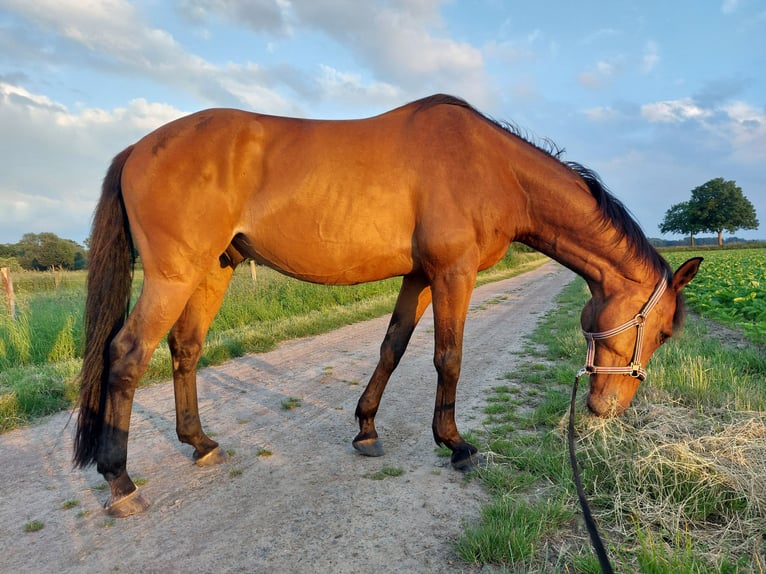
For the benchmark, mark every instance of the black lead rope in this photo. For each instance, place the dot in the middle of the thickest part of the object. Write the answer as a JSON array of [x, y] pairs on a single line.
[[595, 538]]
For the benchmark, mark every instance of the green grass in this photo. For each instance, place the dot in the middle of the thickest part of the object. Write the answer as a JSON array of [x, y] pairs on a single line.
[[386, 472], [41, 351], [33, 526], [676, 484]]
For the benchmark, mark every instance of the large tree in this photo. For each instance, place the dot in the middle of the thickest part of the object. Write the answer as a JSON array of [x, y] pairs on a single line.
[[678, 219], [40, 251], [720, 205]]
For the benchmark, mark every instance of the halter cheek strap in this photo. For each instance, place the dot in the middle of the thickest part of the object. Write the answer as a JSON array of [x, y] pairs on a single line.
[[634, 369]]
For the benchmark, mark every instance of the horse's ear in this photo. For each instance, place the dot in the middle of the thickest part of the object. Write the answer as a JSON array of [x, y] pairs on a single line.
[[685, 273]]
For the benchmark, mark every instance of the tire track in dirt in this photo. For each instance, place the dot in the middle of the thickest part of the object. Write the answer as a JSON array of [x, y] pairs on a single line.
[[310, 506]]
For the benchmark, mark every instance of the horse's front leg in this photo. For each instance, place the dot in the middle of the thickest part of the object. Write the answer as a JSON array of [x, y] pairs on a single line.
[[452, 295], [186, 340], [414, 298]]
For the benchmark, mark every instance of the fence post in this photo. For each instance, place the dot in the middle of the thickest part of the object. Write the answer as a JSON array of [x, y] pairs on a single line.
[[10, 297]]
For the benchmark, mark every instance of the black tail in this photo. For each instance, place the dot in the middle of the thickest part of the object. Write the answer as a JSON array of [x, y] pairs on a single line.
[[110, 273]]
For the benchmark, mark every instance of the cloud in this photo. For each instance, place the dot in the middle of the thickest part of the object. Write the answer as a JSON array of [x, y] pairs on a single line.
[[599, 74], [673, 111], [77, 145], [113, 38], [651, 57], [259, 15], [351, 88], [402, 43]]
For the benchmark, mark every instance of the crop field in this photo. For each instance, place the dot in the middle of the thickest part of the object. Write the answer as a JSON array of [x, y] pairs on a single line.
[[730, 288]]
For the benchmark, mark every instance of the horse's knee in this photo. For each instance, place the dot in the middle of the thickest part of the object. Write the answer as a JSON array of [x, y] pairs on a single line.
[[447, 364]]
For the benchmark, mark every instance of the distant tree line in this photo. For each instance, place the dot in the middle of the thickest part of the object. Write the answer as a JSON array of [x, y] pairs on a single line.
[[40, 251], [714, 207]]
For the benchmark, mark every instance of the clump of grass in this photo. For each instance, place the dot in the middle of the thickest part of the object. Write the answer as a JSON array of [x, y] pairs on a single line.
[[263, 452], [385, 472], [72, 503], [33, 526], [291, 403]]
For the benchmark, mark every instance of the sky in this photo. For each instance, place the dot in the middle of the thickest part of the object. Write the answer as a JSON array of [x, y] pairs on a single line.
[[657, 96]]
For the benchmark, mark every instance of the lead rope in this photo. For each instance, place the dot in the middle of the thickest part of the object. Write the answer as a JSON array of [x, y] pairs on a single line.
[[634, 370], [590, 524]]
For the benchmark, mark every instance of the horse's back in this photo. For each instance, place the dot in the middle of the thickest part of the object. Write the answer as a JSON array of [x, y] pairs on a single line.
[[323, 200]]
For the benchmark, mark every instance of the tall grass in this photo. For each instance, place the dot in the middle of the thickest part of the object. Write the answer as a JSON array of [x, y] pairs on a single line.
[[41, 351], [677, 484]]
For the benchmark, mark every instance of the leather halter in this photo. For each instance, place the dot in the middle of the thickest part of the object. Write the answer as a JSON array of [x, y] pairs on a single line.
[[634, 369]]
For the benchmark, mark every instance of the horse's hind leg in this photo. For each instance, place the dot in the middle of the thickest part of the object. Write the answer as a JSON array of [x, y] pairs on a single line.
[[185, 341], [155, 312], [451, 293], [414, 298]]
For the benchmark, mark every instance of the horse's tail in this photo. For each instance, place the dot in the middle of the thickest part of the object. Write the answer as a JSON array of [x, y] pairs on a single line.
[[110, 273]]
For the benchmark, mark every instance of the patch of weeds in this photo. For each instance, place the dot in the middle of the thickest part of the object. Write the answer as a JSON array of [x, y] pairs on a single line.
[[72, 503], [443, 452], [34, 526], [263, 452], [83, 513], [140, 481], [291, 403], [230, 452], [234, 472], [385, 472], [510, 530]]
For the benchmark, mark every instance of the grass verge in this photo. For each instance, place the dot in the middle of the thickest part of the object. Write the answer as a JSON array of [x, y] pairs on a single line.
[[677, 484]]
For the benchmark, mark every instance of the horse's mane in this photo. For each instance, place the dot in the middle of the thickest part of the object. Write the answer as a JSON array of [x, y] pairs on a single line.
[[613, 212]]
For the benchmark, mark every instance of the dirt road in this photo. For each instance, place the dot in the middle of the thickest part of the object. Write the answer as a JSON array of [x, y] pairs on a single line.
[[311, 506]]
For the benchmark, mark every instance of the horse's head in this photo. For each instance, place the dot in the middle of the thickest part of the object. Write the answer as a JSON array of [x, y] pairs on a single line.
[[623, 333]]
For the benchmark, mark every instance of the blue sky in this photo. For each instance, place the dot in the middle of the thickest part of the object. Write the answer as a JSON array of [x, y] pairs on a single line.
[[658, 97]]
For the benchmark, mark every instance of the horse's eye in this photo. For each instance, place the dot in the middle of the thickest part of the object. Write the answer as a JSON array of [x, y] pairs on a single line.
[[663, 337]]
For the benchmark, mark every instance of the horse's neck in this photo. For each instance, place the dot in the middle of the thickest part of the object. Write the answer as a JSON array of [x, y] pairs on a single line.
[[568, 228]]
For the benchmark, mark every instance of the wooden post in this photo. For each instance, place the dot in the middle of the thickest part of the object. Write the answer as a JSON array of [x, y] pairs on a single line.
[[252, 270], [10, 297]]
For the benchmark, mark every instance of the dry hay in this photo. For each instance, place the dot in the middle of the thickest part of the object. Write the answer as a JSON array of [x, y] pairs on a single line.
[[692, 478]]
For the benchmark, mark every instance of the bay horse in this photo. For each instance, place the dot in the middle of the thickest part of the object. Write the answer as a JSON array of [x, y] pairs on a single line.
[[433, 191]]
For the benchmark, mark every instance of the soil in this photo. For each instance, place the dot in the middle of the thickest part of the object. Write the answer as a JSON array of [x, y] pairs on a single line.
[[293, 496]]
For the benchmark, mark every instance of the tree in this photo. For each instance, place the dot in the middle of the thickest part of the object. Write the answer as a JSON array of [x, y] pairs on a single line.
[[720, 205], [40, 251], [678, 219]]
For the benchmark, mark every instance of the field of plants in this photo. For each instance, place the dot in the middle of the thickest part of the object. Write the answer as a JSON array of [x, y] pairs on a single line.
[[730, 288]]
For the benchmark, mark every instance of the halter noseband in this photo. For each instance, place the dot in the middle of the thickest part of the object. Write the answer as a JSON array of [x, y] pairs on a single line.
[[634, 369]]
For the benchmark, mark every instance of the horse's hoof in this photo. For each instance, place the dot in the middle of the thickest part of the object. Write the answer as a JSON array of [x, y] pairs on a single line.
[[128, 505], [369, 447], [467, 461], [215, 456]]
